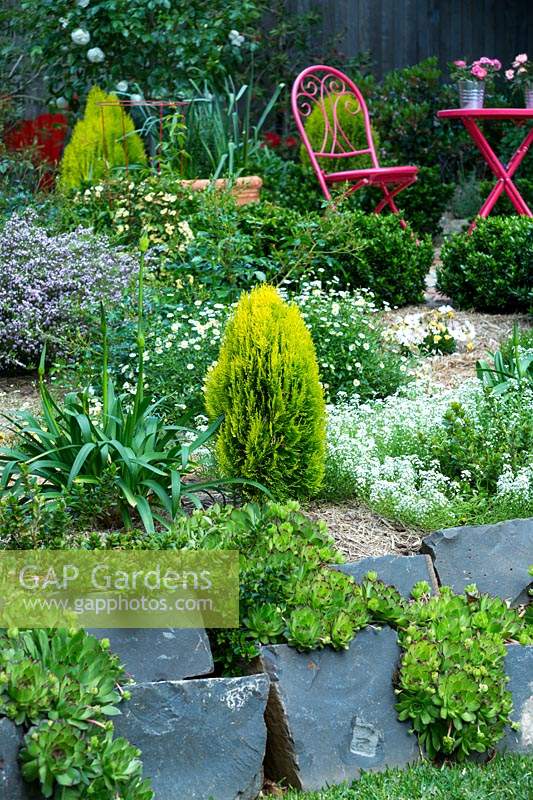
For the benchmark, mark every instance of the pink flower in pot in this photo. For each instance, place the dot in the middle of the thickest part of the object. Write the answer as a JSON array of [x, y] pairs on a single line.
[[478, 72]]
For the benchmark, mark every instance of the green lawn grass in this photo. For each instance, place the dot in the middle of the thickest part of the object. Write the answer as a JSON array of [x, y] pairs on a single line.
[[505, 778]]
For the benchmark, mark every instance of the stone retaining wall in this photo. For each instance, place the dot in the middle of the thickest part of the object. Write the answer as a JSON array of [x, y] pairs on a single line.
[[329, 714]]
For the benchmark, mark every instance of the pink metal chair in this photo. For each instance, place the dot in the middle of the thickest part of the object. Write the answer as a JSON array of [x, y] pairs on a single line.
[[312, 88]]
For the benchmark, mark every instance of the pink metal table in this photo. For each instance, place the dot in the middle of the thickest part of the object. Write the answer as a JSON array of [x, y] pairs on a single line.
[[503, 173]]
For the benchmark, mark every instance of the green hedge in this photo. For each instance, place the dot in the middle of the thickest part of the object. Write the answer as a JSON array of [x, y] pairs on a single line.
[[372, 251], [491, 269]]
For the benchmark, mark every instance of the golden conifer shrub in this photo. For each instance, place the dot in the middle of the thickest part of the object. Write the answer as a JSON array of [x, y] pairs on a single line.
[[266, 386], [104, 140], [347, 124]]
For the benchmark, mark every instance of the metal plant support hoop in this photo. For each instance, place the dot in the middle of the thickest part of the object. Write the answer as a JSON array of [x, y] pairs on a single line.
[[158, 105]]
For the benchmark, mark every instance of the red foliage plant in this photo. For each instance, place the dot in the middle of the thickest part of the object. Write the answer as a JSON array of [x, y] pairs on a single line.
[[46, 134]]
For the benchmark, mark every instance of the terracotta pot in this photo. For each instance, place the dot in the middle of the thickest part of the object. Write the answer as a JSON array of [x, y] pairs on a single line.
[[244, 190]]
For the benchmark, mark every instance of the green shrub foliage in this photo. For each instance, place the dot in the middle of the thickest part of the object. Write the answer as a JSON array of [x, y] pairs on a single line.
[[136, 39], [266, 386], [374, 252], [491, 269], [227, 249], [288, 183]]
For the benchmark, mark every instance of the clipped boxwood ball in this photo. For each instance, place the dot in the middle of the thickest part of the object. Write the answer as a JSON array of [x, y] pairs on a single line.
[[490, 269]]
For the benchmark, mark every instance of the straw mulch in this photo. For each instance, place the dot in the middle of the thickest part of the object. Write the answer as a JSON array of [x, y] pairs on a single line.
[[359, 533]]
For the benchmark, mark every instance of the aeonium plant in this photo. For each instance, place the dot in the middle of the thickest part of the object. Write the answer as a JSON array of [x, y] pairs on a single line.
[[484, 69], [522, 70]]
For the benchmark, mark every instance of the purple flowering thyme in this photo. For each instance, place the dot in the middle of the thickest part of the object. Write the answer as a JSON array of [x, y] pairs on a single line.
[[49, 283]]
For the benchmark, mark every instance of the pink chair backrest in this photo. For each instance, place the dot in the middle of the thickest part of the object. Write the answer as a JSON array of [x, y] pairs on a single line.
[[313, 89]]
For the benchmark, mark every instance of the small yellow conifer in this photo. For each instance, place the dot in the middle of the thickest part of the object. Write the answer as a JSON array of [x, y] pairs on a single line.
[[266, 385], [345, 119], [102, 141]]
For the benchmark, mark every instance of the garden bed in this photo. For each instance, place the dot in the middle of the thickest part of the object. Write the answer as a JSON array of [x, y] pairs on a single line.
[[286, 356], [491, 330], [17, 394]]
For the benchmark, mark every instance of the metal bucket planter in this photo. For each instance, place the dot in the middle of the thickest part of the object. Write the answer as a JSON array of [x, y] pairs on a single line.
[[244, 190], [471, 94], [528, 95]]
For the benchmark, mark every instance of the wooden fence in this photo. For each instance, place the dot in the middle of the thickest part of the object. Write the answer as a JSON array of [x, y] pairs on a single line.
[[398, 33]]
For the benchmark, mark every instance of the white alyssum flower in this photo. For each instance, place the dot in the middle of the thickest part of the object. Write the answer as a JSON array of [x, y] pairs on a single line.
[[95, 55], [516, 485], [122, 86], [80, 36], [63, 21], [361, 437]]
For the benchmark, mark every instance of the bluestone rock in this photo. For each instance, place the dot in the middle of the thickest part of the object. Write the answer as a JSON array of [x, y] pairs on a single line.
[[166, 654], [519, 668], [200, 739], [12, 787], [402, 572], [331, 714], [494, 557]]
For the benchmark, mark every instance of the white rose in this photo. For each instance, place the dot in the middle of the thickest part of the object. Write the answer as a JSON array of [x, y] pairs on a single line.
[[95, 55], [235, 38], [62, 102], [122, 86], [79, 36]]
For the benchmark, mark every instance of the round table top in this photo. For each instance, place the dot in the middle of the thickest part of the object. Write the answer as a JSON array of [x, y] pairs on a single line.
[[487, 113]]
